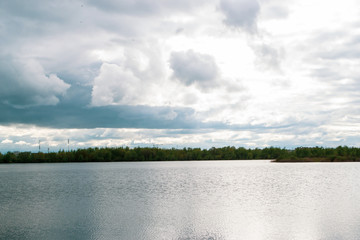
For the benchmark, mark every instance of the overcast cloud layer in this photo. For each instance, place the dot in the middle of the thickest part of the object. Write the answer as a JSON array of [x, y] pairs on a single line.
[[250, 73]]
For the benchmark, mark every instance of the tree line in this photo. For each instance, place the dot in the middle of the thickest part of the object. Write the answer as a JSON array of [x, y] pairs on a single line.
[[341, 153]]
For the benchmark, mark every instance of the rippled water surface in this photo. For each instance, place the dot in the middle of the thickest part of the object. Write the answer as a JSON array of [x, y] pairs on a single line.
[[180, 200]]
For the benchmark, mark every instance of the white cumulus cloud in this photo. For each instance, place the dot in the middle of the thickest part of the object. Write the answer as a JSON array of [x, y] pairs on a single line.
[[241, 13], [114, 85], [194, 68], [7, 141]]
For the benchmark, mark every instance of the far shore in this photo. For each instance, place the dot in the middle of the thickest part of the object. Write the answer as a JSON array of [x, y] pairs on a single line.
[[298, 160], [154, 154]]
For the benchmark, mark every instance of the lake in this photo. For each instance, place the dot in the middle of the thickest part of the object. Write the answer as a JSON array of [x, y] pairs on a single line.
[[180, 200]]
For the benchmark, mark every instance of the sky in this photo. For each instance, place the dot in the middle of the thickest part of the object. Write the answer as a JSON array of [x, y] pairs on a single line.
[[204, 73]]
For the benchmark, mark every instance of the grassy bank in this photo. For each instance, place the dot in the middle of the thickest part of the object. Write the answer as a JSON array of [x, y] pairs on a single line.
[[319, 159]]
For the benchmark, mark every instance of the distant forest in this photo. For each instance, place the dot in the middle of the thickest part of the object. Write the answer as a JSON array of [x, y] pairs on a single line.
[[122, 154]]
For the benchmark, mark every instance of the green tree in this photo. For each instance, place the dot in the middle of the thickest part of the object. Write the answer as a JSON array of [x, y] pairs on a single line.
[[9, 157]]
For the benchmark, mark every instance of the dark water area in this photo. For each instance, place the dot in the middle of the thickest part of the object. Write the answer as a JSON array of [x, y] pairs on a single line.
[[180, 200]]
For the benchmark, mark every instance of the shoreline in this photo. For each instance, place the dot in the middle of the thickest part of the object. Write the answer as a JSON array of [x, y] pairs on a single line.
[[302, 160], [139, 161], [154, 154]]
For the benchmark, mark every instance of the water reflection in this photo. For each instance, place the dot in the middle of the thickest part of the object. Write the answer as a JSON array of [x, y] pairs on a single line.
[[180, 200]]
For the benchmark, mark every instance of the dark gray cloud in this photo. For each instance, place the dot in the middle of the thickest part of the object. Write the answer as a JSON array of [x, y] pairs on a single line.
[[241, 14], [194, 68], [73, 111], [70, 116], [24, 83]]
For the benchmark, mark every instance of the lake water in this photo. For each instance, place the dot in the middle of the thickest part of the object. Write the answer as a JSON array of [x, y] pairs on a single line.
[[180, 200]]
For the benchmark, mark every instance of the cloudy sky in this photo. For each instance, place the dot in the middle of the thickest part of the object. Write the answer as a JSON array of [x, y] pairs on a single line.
[[202, 73]]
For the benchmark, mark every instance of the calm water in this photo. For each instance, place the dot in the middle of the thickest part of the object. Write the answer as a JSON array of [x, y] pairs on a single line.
[[180, 200]]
